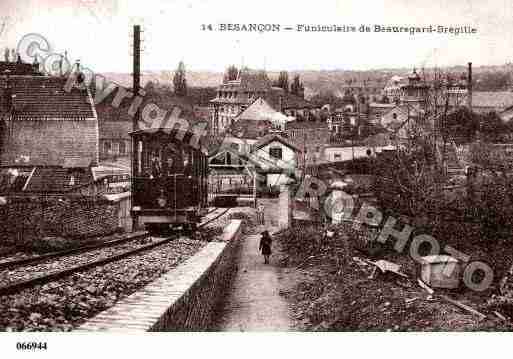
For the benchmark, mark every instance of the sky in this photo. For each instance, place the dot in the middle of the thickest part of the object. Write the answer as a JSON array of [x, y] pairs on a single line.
[[98, 32]]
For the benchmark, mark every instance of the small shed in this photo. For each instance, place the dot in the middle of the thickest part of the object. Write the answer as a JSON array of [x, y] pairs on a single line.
[[440, 271]]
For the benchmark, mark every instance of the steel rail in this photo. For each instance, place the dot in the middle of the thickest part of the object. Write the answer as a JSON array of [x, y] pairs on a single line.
[[59, 274]]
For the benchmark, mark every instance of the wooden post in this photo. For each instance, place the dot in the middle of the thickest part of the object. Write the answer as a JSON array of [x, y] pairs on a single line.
[[136, 87]]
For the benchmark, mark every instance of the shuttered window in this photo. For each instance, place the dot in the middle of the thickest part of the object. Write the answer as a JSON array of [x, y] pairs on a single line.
[[275, 152]]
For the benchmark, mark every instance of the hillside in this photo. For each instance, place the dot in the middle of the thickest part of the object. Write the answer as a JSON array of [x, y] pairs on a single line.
[[486, 77]]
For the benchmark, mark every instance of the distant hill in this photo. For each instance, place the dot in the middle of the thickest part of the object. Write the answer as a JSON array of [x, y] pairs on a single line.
[[322, 81]]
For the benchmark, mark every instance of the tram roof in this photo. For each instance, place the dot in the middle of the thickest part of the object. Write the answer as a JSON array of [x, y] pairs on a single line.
[[179, 135]]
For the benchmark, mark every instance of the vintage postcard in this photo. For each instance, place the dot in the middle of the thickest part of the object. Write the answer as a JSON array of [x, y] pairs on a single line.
[[254, 166]]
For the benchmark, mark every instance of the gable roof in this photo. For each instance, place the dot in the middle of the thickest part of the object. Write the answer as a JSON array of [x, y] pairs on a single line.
[[44, 97], [259, 110], [274, 137]]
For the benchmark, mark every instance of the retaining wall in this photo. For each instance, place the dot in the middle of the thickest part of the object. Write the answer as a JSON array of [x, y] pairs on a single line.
[[29, 220], [184, 299]]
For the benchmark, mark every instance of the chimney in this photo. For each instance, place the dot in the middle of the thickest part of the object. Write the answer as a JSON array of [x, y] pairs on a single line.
[[469, 87]]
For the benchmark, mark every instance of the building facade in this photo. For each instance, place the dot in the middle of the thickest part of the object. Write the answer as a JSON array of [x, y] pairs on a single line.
[[235, 96], [310, 137]]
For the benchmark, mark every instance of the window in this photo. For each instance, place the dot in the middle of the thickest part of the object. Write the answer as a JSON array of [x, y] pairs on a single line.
[[337, 156], [115, 147], [275, 152], [106, 147], [394, 116], [234, 146], [122, 147]]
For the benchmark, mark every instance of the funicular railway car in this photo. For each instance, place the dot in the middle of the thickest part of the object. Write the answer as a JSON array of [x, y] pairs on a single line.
[[169, 183]]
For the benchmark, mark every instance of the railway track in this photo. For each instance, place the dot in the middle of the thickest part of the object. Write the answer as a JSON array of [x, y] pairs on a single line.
[[20, 285], [44, 257], [11, 264]]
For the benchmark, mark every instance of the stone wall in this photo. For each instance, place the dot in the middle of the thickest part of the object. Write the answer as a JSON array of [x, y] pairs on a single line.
[[35, 218], [184, 299]]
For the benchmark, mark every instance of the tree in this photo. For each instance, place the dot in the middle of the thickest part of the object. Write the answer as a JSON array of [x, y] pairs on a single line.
[[231, 74], [327, 98], [297, 88], [493, 128], [283, 81], [406, 182], [179, 80]]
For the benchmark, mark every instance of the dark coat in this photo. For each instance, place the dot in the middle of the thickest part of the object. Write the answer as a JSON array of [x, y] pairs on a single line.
[[265, 244]]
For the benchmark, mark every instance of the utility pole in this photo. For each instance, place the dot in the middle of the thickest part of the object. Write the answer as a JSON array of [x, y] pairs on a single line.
[[135, 121], [136, 70]]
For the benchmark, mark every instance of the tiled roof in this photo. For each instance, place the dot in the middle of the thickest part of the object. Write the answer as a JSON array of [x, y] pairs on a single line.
[[44, 97], [16, 68], [260, 110], [273, 137], [56, 179]]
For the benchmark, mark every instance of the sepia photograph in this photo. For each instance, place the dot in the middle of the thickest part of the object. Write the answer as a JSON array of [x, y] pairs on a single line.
[[268, 167]]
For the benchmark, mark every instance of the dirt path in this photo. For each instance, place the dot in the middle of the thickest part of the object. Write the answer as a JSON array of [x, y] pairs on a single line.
[[254, 303]]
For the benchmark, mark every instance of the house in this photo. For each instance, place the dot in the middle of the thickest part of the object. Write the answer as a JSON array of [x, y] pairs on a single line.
[[276, 158], [115, 143], [345, 153], [234, 97], [342, 120], [48, 136], [243, 134], [377, 110], [44, 125], [291, 104], [393, 88], [310, 137]]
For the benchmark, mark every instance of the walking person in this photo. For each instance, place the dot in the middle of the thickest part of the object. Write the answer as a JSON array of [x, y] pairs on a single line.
[[265, 246], [260, 214]]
